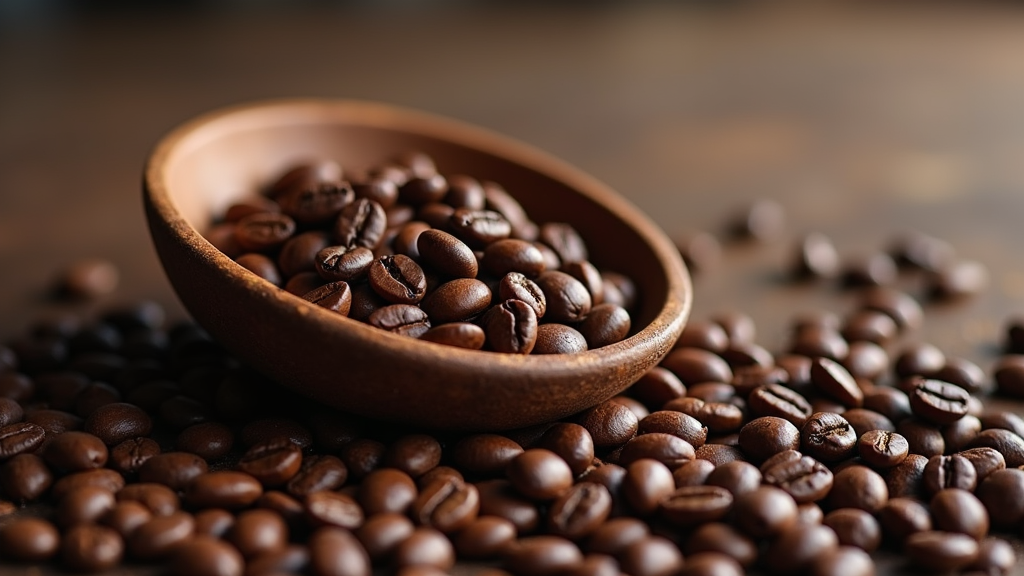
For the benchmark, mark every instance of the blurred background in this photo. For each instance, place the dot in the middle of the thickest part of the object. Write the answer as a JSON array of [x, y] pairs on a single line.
[[863, 120]]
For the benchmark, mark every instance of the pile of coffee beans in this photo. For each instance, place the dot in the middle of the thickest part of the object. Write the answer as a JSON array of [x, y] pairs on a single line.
[[449, 259]]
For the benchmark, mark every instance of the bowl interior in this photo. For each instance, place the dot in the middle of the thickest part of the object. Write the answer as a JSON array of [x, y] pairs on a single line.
[[215, 160]]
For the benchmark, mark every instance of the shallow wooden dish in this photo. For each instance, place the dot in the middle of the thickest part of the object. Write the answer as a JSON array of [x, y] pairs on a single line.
[[201, 167]]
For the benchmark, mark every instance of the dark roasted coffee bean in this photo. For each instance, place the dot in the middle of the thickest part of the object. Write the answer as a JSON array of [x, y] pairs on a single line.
[[447, 504], [919, 360], [864, 421], [511, 327], [157, 498], [692, 505], [938, 551], [539, 474], [423, 189], [1002, 493], [866, 361], [486, 454], [906, 478], [559, 339], [797, 547], [327, 508], [694, 365], [414, 454], [567, 298], [298, 254], [176, 470], [75, 451], [261, 266], [342, 263], [272, 462], [425, 547], [257, 532], [656, 387], [97, 394], [764, 512], [651, 556], [610, 424], [605, 324], [828, 437], [542, 555], [498, 498], [334, 296], [719, 417], [15, 386], [289, 508], [398, 279], [446, 254], [803, 478], [361, 456], [129, 456], [677, 424], [832, 379], [719, 454], [571, 442], [820, 342], [511, 255], [517, 286], [705, 335], [263, 231], [1010, 445], [589, 276], [479, 228], [209, 440], [645, 484], [779, 401], [956, 510], [25, 477], [305, 176], [723, 539], [565, 241], [923, 438], [938, 402], [954, 471], [382, 533], [876, 269], [317, 202], [995, 556], [613, 536], [464, 192], [360, 223], [180, 412], [882, 449], [386, 490], [711, 564], [20, 438], [901, 517], [634, 405], [335, 552], [457, 300], [28, 539], [764, 437], [816, 257], [855, 527], [693, 473], [202, 555], [458, 334], [670, 450], [101, 477], [321, 472], [580, 511], [402, 319], [984, 460], [158, 537], [223, 489], [91, 548], [858, 487], [117, 422]]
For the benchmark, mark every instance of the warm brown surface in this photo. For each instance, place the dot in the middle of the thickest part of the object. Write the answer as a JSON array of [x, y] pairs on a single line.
[[864, 121]]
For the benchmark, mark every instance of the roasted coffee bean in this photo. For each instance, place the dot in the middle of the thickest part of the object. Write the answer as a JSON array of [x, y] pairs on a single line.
[[901, 517], [333, 509], [605, 324], [101, 477], [498, 498], [486, 454], [361, 456], [833, 379], [634, 405], [712, 392], [257, 532], [692, 505], [737, 477], [864, 421], [855, 527], [516, 286], [175, 470], [580, 511], [828, 437], [272, 462], [263, 231], [870, 326], [723, 539], [542, 555], [764, 512], [571, 442], [457, 300], [1002, 493], [335, 552], [414, 454], [425, 547], [511, 327], [719, 454], [766, 436], [938, 551], [305, 176], [693, 473], [446, 254], [906, 478], [511, 255], [645, 484], [180, 412], [157, 498], [820, 342], [423, 189], [938, 402], [289, 508], [670, 450], [360, 223], [267, 429], [75, 451], [923, 438], [403, 319], [559, 339], [398, 279], [91, 548], [479, 228], [656, 387], [984, 460], [956, 510], [447, 504], [117, 422], [615, 535], [386, 490], [319, 472], [209, 440], [382, 533], [261, 266], [651, 556], [565, 241], [944, 472], [1010, 445], [803, 478], [677, 424], [995, 556], [797, 547], [28, 539], [299, 253], [223, 489], [25, 477], [342, 263], [158, 537], [567, 298], [809, 514], [458, 334], [876, 269], [919, 360], [539, 474], [20, 438], [719, 417], [882, 449], [858, 487], [15, 386], [711, 564], [203, 555], [694, 365], [83, 505], [779, 401]]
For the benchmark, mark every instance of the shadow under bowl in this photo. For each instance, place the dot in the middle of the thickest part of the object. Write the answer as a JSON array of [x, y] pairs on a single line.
[[205, 165]]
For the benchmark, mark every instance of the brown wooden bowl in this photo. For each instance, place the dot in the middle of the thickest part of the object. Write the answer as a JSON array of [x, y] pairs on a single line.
[[203, 166]]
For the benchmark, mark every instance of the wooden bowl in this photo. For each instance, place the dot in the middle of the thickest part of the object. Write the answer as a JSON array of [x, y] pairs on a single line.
[[203, 166]]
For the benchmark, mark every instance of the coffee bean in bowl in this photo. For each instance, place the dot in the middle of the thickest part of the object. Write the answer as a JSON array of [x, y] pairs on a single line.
[[205, 172]]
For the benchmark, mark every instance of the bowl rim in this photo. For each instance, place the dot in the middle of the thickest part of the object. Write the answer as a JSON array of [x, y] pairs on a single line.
[[673, 312]]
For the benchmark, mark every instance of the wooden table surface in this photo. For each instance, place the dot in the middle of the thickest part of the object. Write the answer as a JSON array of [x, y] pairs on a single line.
[[863, 120]]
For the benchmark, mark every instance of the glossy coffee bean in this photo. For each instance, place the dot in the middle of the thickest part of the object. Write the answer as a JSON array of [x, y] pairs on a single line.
[[567, 298], [499, 498], [203, 555], [125, 517], [651, 556], [542, 555], [458, 334], [457, 300], [956, 510], [512, 255], [984, 460], [273, 462], [317, 473], [446, 254], [693, 505], [938, 402], [335, 552], [209, 440], [864, 421], [83, 505], [263, 231], [539, 474], [415, 454], [828, 437], [91, 548], [214, 522], [360, 223], [723, 539], [764, 437], [677, 424], [944, 472], [511, 327], [579, 511], [645, 484], [764, 512], [175, 470], [803, 478], [694, 365], [995, 556], [858, 487], [1001, 493], [25, 477], [797, 547], [157, 498], [382, 533], [101, 477], [605, 324], [1010, 445], [882, 449], [257, 532], [75, 451], [737, 477], [610, 424], [572, 442], [670, 450], [559, 339], [333, 509], [832, 379], [403, 319], [781, 402], [855, 527], [223, 489], [158, 537], [19, 438], [517, 286], [425, 547], [386, 490], [937, 550], [447, 504], [117, 422], [28, 539], [334, 296], [902, 517]]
